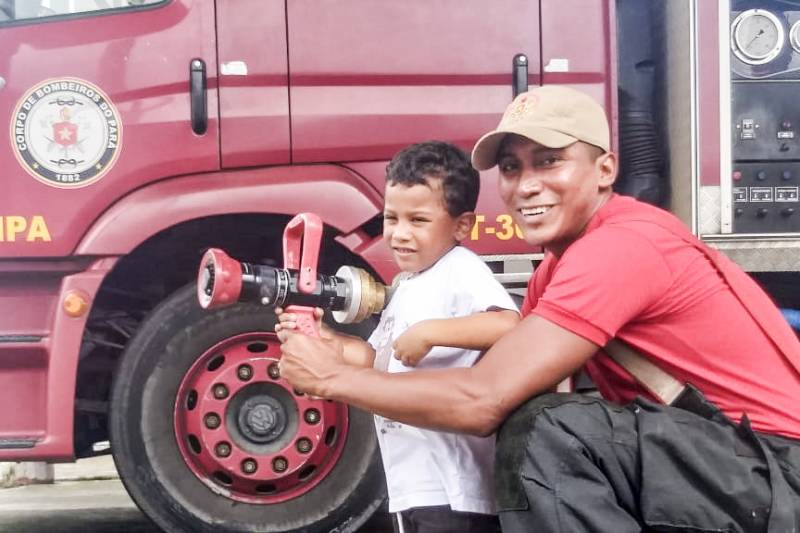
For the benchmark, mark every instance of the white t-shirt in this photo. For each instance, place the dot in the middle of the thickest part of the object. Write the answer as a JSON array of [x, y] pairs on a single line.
[[423, 467]]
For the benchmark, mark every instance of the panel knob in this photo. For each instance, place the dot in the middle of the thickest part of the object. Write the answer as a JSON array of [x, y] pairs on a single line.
[[761, 175], [786, 175], [762, 212], [787, 211]]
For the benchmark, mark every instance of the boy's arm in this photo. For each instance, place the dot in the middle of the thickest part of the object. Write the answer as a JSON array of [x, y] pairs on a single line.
[[478, 331], [355, 350]]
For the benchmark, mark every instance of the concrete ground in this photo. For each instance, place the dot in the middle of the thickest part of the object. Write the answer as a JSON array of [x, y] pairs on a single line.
[[100, 506], [88, 496]]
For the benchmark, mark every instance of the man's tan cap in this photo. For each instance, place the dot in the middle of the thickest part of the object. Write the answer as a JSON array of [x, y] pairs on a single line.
[[553, 116]]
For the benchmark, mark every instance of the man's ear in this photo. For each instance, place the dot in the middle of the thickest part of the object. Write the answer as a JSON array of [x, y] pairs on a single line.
[[607, 165], [464, 223]]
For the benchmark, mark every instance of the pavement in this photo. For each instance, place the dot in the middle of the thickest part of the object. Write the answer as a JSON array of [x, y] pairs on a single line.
[[88, 496], [99, 506], [85, 496]]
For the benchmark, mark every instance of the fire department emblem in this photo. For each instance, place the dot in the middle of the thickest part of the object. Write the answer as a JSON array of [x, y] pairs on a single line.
[[66, 133], [520, 107]]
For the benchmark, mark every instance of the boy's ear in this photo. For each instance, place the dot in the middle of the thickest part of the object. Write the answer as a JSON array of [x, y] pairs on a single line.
[[464, 223]]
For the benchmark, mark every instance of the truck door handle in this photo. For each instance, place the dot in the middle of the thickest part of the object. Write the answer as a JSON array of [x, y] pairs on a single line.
[[519, 74], [197, 91]]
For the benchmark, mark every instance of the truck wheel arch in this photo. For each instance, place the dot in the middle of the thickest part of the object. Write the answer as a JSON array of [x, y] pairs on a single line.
[[323, 189]]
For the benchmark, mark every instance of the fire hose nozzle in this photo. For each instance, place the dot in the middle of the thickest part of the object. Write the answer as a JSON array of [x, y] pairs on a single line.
[[352, 294], [365, 295], [219, 281]]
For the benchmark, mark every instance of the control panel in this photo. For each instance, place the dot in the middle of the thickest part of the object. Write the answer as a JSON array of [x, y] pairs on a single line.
[[766, 197], [765, 118]]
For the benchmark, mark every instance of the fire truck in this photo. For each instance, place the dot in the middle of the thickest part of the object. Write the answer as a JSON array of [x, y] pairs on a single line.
[[139, 133]]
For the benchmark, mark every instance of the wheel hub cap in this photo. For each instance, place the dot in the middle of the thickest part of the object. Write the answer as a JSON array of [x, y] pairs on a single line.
[[243, 431], [262, 419]]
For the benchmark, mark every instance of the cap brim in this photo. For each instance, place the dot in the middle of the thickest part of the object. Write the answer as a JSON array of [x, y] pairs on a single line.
[[484, 154]]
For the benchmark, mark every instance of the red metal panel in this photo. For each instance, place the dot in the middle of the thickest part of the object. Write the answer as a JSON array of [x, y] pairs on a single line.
[[379, 256], [321, 189], [23, 390], [38, 379], [253, 83], [368, 78], [140, 60], [29, 298], [26, 302]]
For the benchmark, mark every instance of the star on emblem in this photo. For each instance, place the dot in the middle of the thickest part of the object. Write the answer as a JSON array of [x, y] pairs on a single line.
[[65, 134]]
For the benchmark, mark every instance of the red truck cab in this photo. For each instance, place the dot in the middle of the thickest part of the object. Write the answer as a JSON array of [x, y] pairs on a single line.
[[140, 133]]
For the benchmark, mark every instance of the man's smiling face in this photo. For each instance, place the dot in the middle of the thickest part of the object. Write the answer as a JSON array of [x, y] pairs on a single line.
[[552, 193]]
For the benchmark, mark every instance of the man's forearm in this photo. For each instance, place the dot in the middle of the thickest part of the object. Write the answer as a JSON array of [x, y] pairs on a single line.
[[444, 399], [473, 400]]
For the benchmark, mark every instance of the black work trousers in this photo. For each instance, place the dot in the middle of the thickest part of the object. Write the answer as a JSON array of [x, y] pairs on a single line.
[[442, 519], [569, 463]]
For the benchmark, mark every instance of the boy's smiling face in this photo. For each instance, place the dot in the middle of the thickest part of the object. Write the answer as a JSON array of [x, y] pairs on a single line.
[[417, 226]]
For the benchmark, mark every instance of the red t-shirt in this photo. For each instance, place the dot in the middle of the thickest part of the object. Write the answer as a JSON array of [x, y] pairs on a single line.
[[637, 281]]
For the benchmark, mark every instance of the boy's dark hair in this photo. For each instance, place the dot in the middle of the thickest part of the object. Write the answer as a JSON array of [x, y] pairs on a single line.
[[437, 159]]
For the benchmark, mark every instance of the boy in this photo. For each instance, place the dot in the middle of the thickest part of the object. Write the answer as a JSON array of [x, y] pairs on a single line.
[[446, 309]]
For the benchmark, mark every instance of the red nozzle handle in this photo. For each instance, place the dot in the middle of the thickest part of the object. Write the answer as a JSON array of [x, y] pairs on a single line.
[[306, 323], [219, 280], [308, 228]]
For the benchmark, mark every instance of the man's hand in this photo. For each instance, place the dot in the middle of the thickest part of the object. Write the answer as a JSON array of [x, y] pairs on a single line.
[[308, 363], [413, 344]]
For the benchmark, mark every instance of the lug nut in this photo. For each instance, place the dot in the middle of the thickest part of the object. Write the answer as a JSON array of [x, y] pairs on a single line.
[[245, 372], [280, 464], [212, 420], [249, 466], [273, 371], [220, 392], [222, 449], [303, 445], [311, 416]]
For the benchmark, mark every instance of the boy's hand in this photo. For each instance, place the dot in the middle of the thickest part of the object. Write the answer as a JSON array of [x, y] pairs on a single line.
[[287, 323], [412, 345]]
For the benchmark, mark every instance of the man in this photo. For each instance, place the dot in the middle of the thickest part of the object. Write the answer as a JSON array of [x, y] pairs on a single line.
[[724, 458]]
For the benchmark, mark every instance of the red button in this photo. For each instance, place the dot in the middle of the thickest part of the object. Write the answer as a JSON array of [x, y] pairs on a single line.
[[737, 175]]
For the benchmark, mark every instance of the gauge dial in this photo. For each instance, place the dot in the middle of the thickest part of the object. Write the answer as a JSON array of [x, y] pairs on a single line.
[[794, 36], [757, 36]]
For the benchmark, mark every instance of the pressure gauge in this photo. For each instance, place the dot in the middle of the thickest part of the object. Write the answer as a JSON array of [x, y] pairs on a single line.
[[794, 36], [757, 36]]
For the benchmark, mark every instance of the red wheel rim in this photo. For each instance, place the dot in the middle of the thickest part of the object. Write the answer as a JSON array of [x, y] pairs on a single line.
[[245, 433]]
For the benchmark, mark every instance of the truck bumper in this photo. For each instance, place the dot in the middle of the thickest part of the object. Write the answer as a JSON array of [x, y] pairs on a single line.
[[39, 346]]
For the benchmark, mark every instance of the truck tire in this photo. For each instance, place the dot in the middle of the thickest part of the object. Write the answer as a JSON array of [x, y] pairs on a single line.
[[207, 437]]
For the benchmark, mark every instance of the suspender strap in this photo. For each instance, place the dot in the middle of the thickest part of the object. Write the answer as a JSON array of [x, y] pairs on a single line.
[[659, 383]]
